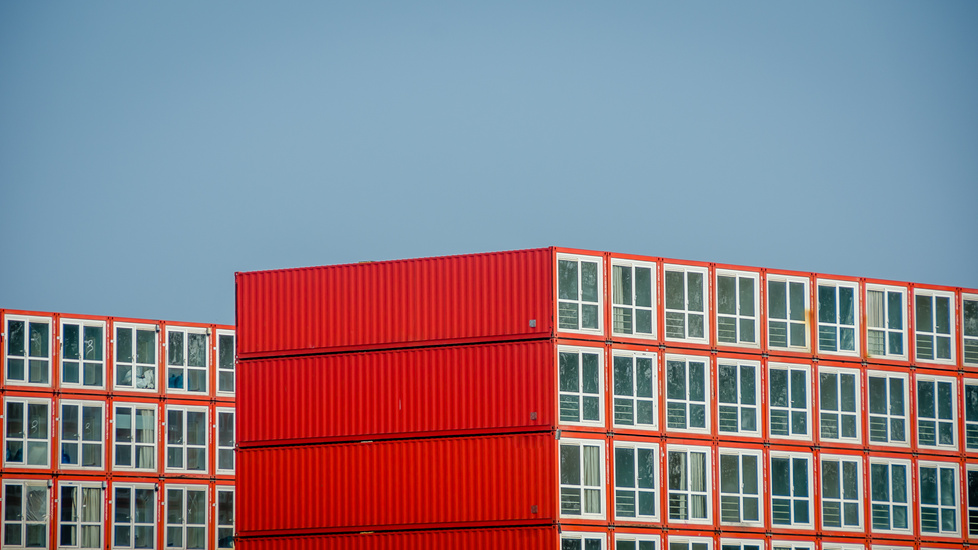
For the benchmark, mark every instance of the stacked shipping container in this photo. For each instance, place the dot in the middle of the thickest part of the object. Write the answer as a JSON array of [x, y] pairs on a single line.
[[576, 399]]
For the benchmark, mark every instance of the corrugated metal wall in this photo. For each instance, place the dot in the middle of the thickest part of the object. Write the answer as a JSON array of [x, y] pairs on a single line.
[[515, 538]]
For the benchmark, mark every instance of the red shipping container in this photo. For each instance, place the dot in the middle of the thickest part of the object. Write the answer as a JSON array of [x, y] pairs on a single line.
[[512, 538], [487, 388], [401, 484], [501, 295]]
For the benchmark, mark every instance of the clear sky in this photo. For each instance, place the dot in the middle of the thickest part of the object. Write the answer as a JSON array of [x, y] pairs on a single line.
[[149, 150]]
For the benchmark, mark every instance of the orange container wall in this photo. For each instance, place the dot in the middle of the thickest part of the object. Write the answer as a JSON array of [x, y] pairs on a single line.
[[487, 480], [488, 388], [514, 538], [503, 295]]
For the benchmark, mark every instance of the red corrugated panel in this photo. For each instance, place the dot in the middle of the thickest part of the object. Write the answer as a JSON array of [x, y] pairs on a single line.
[[506, 386], [536, 538], [400, 484], [385, 304]]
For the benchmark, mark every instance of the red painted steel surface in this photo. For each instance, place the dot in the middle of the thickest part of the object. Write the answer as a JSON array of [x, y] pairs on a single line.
[[394, 303], [505, 386], [511, 538], [427, 482]]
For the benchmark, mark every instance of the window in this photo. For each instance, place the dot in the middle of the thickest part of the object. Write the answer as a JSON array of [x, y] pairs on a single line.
[[837, 317], [686, 393], [581, 478], [889, 492], [225, 440], [969, 329], [186, 517], [81, 434], [935, 412], [938, 501], [636, 471], [186, 360], [685, 306], [135, 357], [838, 398], [581, 541], [726, 544], [736, 308], [225, 517], [25, 514], [884, 322], [28, 350], [635, 377], [788, 401], [792, 546], [972, 492], [887, 408], [580, 385], [135, 436], [134, 517], [971, 415], [737, 396], [186, 439], [740, 490], [82, 353], [629, 541], [689, 484], [225, 362], [632, 298], [80, 516], [579, 293], [932, 324], [841, 495], [684, 543], [790, 494], [787, 300], [27, 436]]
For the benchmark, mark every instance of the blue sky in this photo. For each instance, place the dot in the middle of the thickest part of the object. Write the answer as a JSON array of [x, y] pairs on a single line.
[[150, 150]]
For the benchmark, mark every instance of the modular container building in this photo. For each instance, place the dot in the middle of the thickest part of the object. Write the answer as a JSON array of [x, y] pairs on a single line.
[[574, 399], [117, 432]]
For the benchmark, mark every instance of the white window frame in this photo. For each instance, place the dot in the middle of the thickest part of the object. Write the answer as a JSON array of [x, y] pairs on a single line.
[[632, 308], [955, 493], [218, 447], [790, 320], [739, 407], [840, 416], [26, 440], [936, 381], [885, 328], [185, 367], [740, 316], [741, 495], [792, 545], [656, 489], [792, 498], [217, 514], [933, 334], [184, 525], [597, 307], [687, 311], [26, 357], [583, 536], [890, 503], [153, 524], [135, 367], [80, 441], [634, 401], [82, 363], [969, 333], [599, 486], [135, 445], [889, 417], [688, 402], [232, 372], [842, 500], [837, 325], [78, 522], [688, 541], [971, 417], [637, 539], [689, 492], [970, 505], [580, 395], [184, 446], [841, 546], [789, 409], [25, 484], [744, 544]]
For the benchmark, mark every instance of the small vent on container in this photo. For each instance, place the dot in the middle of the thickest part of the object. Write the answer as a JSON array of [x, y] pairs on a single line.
[[533, 323], [533, 509], [533, 416]]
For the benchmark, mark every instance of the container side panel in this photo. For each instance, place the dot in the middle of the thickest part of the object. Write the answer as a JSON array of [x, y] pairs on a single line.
[[426, 482], [488, 387], [515, 538], [390, 303]]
